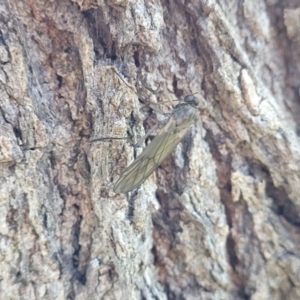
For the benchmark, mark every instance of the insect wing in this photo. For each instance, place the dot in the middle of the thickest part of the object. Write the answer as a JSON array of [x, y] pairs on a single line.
[[152, 156]]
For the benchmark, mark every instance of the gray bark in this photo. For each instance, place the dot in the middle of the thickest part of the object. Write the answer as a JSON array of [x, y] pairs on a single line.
[[219, 219]]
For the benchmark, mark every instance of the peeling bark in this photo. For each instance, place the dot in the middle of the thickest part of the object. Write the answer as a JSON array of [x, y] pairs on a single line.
[[219, 219]]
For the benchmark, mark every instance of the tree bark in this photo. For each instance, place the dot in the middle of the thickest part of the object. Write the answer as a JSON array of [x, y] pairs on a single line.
[[219, 219]]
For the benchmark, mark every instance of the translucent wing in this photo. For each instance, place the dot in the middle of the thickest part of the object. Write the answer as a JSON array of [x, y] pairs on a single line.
[[153, 155]]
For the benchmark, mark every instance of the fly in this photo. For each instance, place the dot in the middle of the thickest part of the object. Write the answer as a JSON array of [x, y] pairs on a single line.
[[160, 147]]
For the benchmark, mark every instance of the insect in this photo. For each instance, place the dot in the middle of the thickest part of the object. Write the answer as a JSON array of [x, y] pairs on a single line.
[[177, 124]]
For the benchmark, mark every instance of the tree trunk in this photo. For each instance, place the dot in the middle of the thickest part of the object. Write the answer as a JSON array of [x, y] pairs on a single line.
[[219, 219]]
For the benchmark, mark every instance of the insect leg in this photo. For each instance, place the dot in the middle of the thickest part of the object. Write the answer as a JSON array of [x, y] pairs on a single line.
[[154, 107], [148, 88], [142, 139], [109, 138]]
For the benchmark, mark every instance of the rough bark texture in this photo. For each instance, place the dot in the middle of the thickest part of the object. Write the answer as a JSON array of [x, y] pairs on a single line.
[[219, 219]]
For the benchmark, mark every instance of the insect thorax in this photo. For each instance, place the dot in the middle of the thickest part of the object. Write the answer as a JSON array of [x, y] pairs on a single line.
[[183, 113]]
